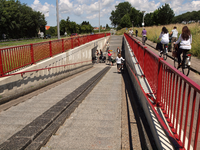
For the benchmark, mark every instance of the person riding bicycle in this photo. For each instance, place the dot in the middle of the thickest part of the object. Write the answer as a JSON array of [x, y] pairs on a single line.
[[164, 36], [185, 40], [119, 60], [144, 34], [174, 34]]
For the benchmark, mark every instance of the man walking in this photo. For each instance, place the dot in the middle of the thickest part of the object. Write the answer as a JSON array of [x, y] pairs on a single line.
[[136, 32]]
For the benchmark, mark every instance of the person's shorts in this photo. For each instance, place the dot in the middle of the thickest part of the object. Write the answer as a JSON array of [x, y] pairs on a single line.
[[109, 58], [119, 66]]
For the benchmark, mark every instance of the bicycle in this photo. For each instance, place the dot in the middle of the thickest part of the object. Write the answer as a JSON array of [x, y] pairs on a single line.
[[164, 52], [185, 65], [143, 40]]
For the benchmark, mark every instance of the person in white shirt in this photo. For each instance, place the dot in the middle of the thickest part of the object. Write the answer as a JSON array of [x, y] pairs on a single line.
[[185, 40], [174, 34], [164, 36], [119, 60]]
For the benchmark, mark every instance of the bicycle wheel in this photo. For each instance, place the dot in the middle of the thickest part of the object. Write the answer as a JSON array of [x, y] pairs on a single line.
[[165, 56], [186, 68]]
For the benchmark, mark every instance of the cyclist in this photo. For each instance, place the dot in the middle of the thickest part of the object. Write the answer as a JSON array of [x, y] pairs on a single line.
[[119, 60], [144, 34], [164, 36], [185, 40], [174, 34]]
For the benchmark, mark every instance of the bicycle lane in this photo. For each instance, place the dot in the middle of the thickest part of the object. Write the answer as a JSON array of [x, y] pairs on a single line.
[[194, 61]]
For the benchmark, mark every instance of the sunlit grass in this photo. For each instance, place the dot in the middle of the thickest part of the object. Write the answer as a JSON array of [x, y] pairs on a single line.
[[24, 42], [153, 33]]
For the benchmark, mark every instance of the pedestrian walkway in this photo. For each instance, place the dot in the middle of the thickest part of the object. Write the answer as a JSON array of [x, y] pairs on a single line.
[[195, 63], [17, 117], [96, 123]]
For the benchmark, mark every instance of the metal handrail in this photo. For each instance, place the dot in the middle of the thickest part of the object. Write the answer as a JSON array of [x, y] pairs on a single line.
[[174, 93], [48, 68], [12, 58]]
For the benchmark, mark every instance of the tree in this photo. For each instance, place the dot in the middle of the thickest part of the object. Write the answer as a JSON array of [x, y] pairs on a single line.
[[188, 16], [125, 21], [165, 14], [149, 19], [135, 16], [18, 20], [62, 27], [52, 31], [121, 10], [107, 27]]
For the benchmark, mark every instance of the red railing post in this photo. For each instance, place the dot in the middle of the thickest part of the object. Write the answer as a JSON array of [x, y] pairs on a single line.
[[72, 46], [197, 128], [159, 89], [78, 41], [144, 64], [32, 55], [63, 45], [1, 65], [50, 48]]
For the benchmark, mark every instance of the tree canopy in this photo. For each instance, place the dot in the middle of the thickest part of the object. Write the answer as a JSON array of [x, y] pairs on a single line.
[[121, 10], [162, 15], [188, 16], [19, 21]]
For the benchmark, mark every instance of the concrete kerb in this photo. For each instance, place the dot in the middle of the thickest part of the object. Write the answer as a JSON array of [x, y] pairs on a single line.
[[14, 86], [153, 45]]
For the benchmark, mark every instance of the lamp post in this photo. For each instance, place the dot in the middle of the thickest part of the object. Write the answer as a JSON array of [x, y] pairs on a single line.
[[99, 16], [143, 18], [58, 26]]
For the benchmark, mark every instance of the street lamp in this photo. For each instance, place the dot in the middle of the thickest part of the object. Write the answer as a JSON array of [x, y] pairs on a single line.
[[143, 18], [99, 16], [58, 26]]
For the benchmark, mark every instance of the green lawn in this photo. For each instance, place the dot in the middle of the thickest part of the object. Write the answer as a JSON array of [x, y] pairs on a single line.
[[24, 42]]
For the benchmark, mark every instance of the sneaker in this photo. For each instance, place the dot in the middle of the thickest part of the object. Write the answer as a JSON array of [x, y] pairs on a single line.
[[160, 53]]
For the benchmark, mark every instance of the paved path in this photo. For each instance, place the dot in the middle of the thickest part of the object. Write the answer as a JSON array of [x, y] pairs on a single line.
[[17, 117], [96, 123]]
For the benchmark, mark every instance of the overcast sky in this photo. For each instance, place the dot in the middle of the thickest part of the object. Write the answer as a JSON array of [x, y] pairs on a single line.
[[88, 10]]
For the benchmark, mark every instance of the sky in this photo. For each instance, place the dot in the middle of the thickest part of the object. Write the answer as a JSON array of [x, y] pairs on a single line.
[[89, 10]]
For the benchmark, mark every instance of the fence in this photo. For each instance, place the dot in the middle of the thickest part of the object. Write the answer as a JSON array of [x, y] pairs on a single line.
[[13, 58], [175, 93]]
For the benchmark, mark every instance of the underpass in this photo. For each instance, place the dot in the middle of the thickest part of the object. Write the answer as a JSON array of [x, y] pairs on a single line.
[[95, 109]]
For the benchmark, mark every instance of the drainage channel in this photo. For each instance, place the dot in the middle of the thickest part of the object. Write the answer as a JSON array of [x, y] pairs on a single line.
[[35, 135]]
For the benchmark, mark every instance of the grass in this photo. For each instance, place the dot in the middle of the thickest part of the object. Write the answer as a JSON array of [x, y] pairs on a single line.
[[153, 33], [24, 42]]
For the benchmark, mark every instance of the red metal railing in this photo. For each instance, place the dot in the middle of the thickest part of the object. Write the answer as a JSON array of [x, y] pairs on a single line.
[[176, 94], [13, 58], [48, 68]]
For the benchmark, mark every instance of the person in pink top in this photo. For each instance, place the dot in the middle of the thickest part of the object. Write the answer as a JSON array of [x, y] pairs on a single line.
[[109, 57]]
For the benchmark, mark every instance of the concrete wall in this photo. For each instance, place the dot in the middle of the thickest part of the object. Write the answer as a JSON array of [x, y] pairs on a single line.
[[14, 86], [141, 87]]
